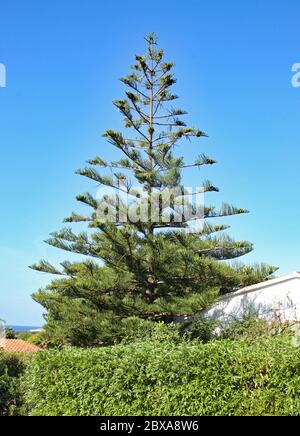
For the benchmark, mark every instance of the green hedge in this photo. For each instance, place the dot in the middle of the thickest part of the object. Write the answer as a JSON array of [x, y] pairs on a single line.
[[12, 367], [153, 378]]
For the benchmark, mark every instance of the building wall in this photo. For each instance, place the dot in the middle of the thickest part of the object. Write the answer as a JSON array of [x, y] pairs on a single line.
[[277, 301]]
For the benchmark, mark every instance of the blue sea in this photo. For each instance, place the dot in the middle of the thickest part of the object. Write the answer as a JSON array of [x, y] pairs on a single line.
[[23, 328]]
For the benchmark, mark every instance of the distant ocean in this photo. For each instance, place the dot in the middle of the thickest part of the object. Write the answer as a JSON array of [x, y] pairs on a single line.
[[23, 328]]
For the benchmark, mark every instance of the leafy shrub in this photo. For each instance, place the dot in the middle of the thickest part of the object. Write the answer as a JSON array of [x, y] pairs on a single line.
[[249, 327], [120, 331], [11, 368], [38, 338], [224, 377], [10, 333], [134, 329], [202, 329], [24, 335]]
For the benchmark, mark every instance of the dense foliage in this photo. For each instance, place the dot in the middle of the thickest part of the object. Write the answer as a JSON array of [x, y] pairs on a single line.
[[12, 367], [152, 266], [168, 376], [10, 333]]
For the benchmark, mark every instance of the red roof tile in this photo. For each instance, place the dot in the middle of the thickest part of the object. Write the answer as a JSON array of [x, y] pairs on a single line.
[[18, 346]]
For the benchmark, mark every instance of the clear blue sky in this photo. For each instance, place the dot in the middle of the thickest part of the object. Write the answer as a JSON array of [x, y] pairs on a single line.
[[63, 59]]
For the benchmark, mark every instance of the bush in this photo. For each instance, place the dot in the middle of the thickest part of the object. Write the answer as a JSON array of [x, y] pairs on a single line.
[[38, 338], [24, 335], [11, 368], [10, 333], [224, 377], [134, 329], [202, 329], [250, 327]]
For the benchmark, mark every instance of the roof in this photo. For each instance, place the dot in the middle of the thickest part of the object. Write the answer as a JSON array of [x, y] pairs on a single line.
[[18, 346], [263, 285]]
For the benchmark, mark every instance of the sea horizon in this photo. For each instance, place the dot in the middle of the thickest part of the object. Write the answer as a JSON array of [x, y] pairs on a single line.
[[23, 328]]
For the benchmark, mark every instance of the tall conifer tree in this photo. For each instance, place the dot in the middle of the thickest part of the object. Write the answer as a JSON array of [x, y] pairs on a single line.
[[153, 267]]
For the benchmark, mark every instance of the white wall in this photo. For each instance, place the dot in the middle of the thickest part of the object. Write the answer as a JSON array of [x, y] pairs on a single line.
[[280, 300]]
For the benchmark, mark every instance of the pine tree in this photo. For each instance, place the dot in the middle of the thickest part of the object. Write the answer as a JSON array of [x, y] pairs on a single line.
[[158, 265]]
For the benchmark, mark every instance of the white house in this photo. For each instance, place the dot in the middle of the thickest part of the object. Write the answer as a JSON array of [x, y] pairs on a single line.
[[274, 299]]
